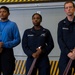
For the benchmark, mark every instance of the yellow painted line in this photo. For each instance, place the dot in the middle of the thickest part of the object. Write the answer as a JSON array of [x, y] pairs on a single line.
[[0, 0], [12, 1], [19, 66], [72, 71], [20, 1], [16, 1], [33, 0], [24, 71], [28, 0], [24, 0], [15, 72], [8, 1], [57, 72], [23, 67], [52, 67], [55, 67], [4, 1]]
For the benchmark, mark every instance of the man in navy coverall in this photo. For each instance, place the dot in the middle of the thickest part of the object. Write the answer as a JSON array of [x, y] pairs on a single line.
[[66, 38], [33, 38]]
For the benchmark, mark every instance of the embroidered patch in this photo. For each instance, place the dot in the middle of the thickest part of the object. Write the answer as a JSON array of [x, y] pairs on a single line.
[[65, 28], [42, 34], [30, 35]]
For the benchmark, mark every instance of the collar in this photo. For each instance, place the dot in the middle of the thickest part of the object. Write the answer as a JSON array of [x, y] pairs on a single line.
[[67, 22], [4, 21], [41, 29]]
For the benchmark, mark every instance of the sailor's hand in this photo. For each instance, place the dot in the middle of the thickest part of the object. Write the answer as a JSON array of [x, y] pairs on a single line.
[[35, 55], [39, 50], [1, 44], [1, 49], [71, 55]]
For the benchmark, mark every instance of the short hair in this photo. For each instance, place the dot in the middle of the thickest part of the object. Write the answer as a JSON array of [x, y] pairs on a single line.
[[37, 14], [69, 2], [6, 8]]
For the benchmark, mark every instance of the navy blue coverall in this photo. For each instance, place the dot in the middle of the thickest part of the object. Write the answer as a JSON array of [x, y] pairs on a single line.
[[66, 41], [31, 40]]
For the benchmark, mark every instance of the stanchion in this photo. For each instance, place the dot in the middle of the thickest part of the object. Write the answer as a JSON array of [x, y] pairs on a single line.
[[67, 67]]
